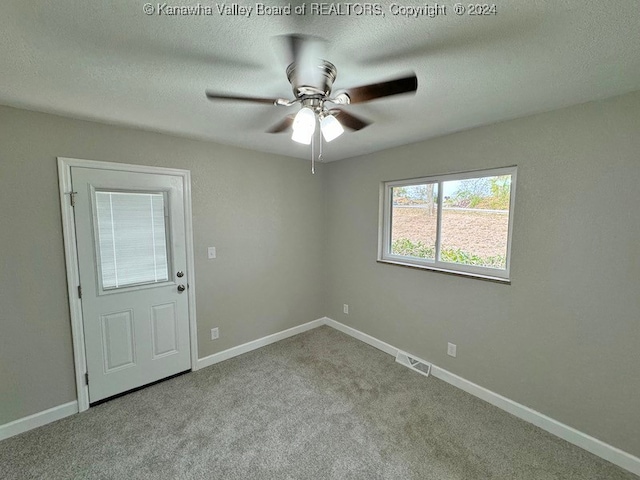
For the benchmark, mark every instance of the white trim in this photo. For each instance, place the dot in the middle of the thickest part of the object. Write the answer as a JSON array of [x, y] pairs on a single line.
[[56, 413], [260, 342], [559, 429], [384, 227], [587, 442], [404, 263], [597, 447], [363, 337], [73, 276], [71, 259], [191, 268], [37, 420]]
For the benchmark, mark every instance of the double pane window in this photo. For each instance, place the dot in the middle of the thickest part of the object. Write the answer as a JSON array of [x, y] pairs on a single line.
[[458, 222]]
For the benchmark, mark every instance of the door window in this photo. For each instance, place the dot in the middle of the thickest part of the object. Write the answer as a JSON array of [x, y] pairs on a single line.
[[132, 238]]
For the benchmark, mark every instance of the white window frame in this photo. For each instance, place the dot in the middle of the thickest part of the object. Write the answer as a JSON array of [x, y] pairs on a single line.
[[384, 234], [101, 290]]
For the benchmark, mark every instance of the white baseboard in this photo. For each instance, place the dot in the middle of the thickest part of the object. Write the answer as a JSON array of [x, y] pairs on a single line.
[[597, 447], [260, 342], [559, 429], [587, 442], [37, 419], [363, 337], [56, 413]]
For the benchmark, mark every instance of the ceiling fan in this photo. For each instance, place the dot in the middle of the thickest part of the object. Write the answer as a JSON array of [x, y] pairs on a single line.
[[311, 79]]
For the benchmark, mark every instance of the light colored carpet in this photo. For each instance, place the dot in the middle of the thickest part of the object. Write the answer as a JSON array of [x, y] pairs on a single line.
[[319, 405]]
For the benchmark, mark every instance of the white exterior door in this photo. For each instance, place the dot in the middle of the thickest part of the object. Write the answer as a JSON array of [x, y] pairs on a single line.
[[130, 234]]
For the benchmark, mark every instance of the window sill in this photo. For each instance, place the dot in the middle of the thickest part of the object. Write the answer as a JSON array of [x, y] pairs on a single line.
[[487, 278]]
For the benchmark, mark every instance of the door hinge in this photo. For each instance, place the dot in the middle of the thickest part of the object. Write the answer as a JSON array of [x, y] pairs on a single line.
[[79, 291], [86, 378], [72, 198]]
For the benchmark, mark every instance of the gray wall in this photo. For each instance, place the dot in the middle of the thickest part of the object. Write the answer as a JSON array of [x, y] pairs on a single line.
[[264, 213], [564, 337]]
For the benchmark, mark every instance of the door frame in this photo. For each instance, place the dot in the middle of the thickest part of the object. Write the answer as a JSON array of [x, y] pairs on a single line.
[[71, 259]]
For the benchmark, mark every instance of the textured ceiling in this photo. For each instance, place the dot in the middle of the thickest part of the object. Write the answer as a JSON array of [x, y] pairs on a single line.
[[109, 61]]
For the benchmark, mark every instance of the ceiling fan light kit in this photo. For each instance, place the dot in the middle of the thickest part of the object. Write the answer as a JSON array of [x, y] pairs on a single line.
[[304, 123], [304, 126], [312, 79], [331, 128]]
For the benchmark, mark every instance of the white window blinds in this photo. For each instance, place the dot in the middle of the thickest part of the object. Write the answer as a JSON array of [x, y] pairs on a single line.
[[132, 238]]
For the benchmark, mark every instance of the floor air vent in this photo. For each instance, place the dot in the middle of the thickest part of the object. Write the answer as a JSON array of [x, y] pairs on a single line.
[[414, 363]]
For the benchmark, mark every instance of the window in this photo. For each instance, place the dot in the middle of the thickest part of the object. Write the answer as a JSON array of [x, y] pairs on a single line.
[[457, 223], [132, 238]]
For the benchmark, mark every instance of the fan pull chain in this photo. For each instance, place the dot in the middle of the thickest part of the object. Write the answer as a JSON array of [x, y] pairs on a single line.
[[313, 155]]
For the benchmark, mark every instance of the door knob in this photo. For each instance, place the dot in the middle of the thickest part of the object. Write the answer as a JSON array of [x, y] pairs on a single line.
[[180, 274], [181, 288]]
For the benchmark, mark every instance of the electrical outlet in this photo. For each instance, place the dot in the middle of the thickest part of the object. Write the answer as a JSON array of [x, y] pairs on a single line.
[[345, 309], [211, 252], [451, 349], [215, 334]]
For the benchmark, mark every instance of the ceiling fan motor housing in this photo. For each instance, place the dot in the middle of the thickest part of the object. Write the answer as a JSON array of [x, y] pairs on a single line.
[[328, 73]]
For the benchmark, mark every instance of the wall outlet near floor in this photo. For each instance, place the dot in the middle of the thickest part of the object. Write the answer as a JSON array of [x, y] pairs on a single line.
[[345, 309], [211, 253], [451, 349], [215, 334]]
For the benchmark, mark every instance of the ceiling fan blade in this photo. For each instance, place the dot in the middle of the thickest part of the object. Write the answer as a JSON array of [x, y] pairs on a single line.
[[283, 125], [222, 96], [383, 89], [348, 120]]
